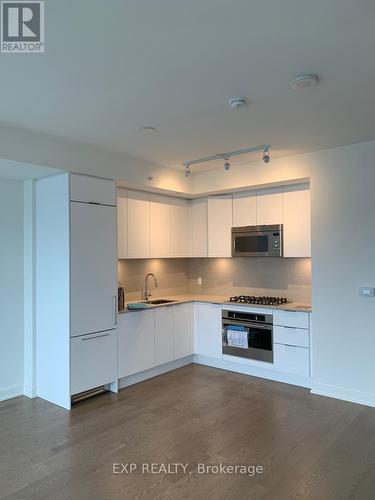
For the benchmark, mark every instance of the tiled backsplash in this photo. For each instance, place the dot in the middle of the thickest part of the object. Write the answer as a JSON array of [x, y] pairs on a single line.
[[256, 275]]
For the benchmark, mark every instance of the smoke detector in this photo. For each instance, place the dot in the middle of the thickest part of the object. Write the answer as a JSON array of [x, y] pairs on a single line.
[[304, 81], [237, 102]]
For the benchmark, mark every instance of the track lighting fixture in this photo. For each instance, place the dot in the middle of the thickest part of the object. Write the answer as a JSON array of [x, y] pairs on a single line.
[[266, 154], [225, 156], [226, 163]]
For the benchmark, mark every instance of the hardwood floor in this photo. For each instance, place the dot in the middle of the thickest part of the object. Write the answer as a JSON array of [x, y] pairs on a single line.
[[310, 447]]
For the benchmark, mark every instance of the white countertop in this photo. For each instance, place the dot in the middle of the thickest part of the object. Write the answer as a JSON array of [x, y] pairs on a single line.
[[216, 299]]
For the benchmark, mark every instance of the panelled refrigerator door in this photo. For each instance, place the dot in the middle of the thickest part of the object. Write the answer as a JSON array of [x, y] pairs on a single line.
[[93, 268]]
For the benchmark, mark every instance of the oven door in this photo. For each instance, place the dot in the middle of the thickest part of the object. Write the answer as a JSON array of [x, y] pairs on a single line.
[[258, 343]]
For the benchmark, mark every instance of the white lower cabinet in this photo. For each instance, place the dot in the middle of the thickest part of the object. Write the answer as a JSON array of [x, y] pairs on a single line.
[[293, 319], [291, 336], [154, 337], [164, 342], [93, 361], [182, 330], [209, 330], [136, 350], [292, 359], [291, 342]]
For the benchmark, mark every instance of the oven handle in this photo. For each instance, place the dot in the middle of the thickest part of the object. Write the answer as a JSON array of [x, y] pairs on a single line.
[[247, 325]]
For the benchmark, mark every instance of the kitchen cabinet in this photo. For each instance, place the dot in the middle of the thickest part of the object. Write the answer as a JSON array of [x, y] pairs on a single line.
[[180, 235], [199, 236], [291, 336], [93, 270], [122, 224], [93, 361], [292, 319], [219, 225], [297, 221], [88, 189], [136, 345], [76, 285], [160, 225], [245, 209], [269, 206], [209, 330], [292, 359], [164, 335], [291, 342], [138, 225], [182, 330]]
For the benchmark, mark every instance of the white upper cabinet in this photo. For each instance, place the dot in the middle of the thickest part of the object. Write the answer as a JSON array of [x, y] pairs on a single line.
[[219, 225], [199, 236], [122, 224], [160, 225], [92, 190], [297, 221], [270, 206], [138, 225], [180, 236], [244, 209]]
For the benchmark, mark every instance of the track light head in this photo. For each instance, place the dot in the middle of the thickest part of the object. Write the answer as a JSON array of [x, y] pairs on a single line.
[[187, 170], [226, 163], [266, 155]]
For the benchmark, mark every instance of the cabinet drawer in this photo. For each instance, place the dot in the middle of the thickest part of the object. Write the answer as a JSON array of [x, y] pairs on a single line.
[[291, 336], [93, 361], [92, 190], [292, 359], [294, 319]]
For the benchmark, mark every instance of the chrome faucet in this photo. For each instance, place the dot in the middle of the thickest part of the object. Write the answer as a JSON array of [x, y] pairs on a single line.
[[146, 291]]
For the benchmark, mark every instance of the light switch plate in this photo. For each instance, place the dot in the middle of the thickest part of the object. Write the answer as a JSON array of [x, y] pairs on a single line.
[[367, 291]]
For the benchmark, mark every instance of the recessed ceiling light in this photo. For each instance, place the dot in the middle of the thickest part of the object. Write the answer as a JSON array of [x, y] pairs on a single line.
[[301, 82], [148, 129]]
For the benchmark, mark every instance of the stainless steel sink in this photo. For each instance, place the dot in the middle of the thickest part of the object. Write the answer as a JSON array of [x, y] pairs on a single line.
[[158, 302]]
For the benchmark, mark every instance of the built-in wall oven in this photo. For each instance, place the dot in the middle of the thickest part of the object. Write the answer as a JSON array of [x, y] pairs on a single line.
[[248, 335]]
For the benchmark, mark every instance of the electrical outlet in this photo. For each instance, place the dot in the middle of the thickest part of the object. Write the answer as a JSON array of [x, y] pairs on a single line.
[[199, 280]]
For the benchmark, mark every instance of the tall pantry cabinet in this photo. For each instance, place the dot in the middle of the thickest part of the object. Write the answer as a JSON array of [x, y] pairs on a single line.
[[76, 286]]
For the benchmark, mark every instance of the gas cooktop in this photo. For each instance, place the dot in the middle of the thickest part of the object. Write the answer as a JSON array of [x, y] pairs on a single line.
[[264, 301]]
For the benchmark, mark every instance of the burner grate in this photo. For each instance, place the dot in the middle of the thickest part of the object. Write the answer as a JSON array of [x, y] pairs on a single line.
[[264, 300]]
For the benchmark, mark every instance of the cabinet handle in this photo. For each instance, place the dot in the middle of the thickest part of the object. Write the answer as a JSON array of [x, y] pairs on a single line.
[[114, 318], [97, 337]]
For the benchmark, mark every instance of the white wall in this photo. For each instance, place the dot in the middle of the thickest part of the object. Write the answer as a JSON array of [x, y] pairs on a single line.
[[11, 288]]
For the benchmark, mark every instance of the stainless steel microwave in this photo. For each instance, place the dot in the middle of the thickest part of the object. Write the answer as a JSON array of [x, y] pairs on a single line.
[[257, 241]]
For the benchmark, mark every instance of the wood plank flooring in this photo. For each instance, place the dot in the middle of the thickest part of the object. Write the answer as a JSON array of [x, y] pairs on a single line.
[[310, 447]]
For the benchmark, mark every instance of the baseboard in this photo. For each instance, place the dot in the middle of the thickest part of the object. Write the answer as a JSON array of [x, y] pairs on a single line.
[[11, 392], [333, 391], [255, 371], [154, 372], [29, 391]]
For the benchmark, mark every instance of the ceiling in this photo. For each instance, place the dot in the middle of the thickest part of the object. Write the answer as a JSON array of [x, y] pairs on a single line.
[[111, 67], [14, 170]]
